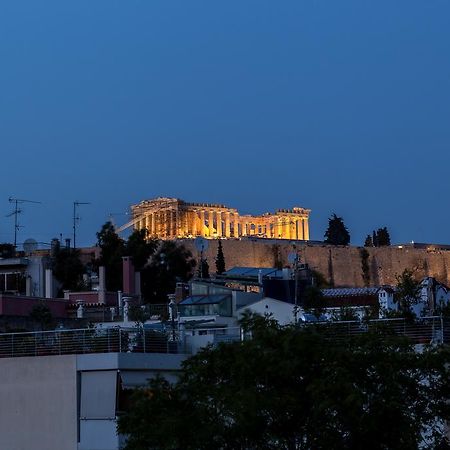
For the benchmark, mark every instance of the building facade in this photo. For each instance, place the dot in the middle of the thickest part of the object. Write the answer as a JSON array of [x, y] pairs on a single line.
[[172, 218]]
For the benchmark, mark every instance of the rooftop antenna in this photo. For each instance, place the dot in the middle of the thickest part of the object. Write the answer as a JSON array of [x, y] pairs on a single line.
[[16, 213], [76, 219]]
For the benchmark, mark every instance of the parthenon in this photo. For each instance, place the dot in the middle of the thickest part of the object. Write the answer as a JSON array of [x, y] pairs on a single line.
[[172, 218]]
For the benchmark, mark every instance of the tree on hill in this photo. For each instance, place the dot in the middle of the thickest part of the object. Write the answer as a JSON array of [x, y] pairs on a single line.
[[288, 388], [68, 269], [170, 264], [140, 248], [220, 260], [383, 237], [337, 233], [112, 248], [369, 241]]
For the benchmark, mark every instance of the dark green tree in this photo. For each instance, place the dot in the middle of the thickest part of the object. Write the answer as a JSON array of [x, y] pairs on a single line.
[[220, 260], [374, 238], [314, 301], [383, 237], [42, 315], [140, 248], [170, 264], [68, 269], [408, 291], [112, 250], [288, 388], [337, 233], [7, 250], [369, 241]]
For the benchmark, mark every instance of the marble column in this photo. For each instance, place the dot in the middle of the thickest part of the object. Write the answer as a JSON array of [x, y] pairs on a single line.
[[202, 222], [227, 225], [211, 222]]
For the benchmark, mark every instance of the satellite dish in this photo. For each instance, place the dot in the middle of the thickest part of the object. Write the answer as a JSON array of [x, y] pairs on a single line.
[[201, 244], [292, 257], [30, 245]]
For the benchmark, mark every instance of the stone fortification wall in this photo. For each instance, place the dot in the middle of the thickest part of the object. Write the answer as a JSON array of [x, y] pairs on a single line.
[[341, 266]]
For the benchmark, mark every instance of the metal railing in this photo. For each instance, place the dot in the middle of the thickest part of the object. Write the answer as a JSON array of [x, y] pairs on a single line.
[[91, 340], [425, 330]]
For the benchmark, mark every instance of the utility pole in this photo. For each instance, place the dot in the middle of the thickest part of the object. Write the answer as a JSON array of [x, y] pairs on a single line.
[[76, 219], [16, 213]]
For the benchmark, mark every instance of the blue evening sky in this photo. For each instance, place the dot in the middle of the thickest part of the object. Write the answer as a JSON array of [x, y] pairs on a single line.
[[338, 106]]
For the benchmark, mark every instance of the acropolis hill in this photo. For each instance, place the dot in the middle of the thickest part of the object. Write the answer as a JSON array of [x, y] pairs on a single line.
[[342, 266]]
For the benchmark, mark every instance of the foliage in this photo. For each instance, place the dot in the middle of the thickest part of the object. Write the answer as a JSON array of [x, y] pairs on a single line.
[[112, 250], [346, 314], [369, 241], [289, 388], [170, 264], [7, 250], [337, 233], [319, 279], [41, 313], [380, 238], [314, 301], [220, 260], [383, 237], [68, 269], [408, 291], [140, 248]]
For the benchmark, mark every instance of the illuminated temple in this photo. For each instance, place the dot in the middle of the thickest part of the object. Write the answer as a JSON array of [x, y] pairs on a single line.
[[171, 218]]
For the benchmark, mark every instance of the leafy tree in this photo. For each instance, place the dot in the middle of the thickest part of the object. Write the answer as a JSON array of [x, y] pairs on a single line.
[[375, 238], [68, 269], [140, 248], [408, 291], [383, 237], [41, 313], [314, 301], [337, 233], [7, 250], [220, 260], [369, 241], [319, 279], [288, 388], [112, 250], [171, 263]]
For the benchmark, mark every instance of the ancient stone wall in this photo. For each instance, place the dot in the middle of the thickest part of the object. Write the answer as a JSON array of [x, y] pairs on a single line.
[[342, 266]]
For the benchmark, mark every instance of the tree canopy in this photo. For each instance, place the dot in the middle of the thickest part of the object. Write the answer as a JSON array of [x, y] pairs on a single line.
[[290, 388], [171, 263], [337, 233]]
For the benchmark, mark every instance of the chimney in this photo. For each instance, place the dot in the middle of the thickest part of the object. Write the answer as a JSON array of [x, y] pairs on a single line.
[[101, 284], [48, 283], [28, 285], [128, 276]]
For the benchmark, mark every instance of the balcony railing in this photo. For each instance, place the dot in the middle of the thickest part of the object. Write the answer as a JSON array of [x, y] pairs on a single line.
[[69, 342]]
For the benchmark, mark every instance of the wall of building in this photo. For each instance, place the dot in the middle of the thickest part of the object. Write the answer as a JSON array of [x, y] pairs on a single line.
[[38, 403], [342, 266]]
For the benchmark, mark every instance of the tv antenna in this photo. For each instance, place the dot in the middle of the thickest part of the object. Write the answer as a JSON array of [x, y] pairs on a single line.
[[76, 219], [16, 212]]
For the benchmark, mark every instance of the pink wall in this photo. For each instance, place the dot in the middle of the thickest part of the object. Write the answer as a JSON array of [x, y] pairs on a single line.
[[12, 305]]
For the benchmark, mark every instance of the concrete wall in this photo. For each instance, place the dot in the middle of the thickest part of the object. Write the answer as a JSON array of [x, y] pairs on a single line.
[[38, 403], [343, 266]]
